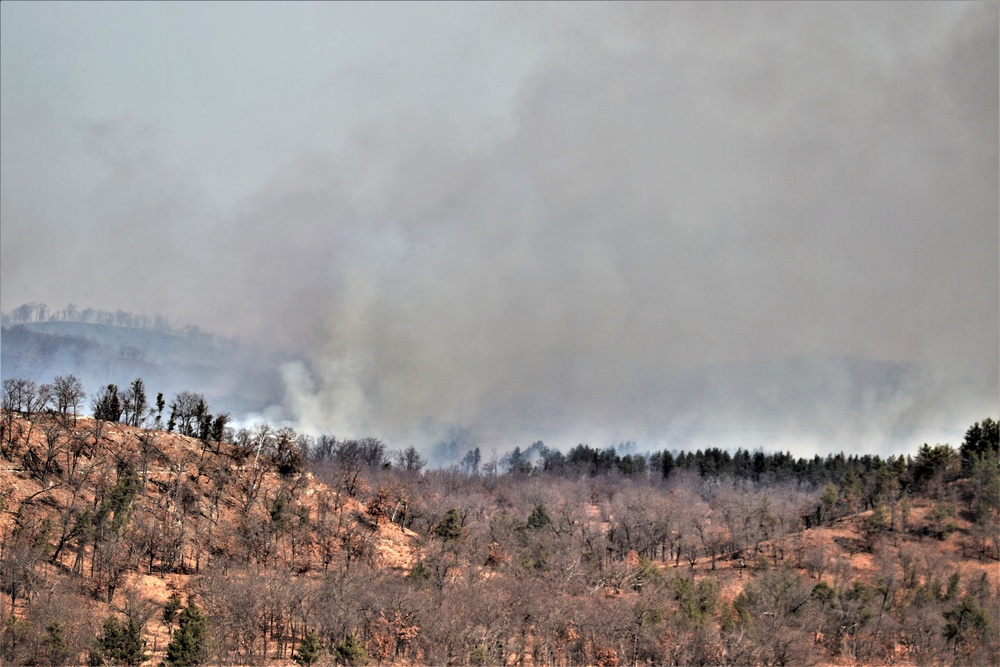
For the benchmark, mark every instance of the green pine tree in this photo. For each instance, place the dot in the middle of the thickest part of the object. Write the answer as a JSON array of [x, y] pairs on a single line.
[[539, 518], [450, 527], [309, 650], [190, 645], [352, 652], [54, 649], [966, 620], [171, 608], [120, 643]]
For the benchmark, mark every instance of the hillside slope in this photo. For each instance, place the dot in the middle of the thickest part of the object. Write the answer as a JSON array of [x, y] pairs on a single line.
[[104, 519], [103, 524]]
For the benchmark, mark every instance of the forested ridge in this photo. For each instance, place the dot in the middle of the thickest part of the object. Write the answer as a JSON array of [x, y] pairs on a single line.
[[136, 530]]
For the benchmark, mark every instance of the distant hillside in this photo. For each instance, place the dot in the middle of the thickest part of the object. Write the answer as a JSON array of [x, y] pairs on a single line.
[[153, 344], [233, 379]]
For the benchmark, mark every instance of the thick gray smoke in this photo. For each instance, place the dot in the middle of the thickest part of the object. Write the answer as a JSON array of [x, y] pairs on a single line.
[[739, 225]]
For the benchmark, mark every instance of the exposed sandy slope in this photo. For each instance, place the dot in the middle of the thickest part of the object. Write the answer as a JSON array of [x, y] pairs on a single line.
[[170, 461]]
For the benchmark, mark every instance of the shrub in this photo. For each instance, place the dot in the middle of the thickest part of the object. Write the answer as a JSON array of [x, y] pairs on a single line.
[[352, 652], [190, 644], [120, 643], [309, 650]]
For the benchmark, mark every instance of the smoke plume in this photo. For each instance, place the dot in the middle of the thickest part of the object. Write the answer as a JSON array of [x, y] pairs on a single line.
[[680, 224]]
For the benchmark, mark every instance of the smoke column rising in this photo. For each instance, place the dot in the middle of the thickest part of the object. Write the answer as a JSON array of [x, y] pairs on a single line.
[[727, 224]]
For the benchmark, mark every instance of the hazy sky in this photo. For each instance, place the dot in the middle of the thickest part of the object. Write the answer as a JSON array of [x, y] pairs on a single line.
[[731, 224]]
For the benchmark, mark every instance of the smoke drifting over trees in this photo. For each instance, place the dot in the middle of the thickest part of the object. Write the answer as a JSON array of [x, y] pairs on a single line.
[[682, 224], [103, 348]]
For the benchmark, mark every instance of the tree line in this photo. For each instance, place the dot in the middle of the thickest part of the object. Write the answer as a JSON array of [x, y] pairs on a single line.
[[189, 412], [190, 415], [28, 313]]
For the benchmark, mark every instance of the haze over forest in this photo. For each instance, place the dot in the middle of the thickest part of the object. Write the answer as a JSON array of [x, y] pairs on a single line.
[[754, 225]]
